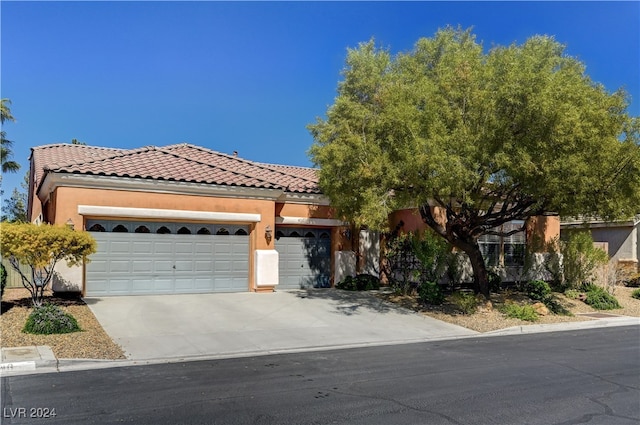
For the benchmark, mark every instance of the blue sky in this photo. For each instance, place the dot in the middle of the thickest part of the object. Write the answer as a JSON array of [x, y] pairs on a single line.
[[247, 76]]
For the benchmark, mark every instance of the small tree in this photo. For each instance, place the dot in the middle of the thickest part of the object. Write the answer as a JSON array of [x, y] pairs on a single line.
[[41, 248]]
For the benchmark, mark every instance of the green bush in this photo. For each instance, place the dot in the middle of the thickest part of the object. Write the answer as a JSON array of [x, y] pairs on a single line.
[[538, 290], [636, 294], [572, 294], [494, 281], [3, 279], [466, 302], [522, 312], [362, 282], [598, 298], [431, 293], [50, 319]]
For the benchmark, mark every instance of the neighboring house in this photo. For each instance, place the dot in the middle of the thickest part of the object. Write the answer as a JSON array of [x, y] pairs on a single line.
[[621, 239], [186, 219]]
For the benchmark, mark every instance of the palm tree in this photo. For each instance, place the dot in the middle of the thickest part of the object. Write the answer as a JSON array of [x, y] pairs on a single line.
[[5, 144]]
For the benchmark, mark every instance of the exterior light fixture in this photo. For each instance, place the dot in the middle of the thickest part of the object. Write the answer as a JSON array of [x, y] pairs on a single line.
[[268, 233], [347, 233], [70, 224]]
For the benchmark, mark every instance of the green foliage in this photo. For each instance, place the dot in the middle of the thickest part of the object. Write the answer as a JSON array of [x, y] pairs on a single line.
[[522, 312], [494, 281], [538, 290], [636, 294], [361, 282], [580, 258], [3, 279], [414, 258], [431, 293], [466, 302], [487, 135], [599, 298], [572, 294], [41, 247], [50, 319]]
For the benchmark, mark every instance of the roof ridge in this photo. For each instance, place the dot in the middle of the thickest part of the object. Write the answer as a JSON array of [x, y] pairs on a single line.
[[162, 149], [244, 160]]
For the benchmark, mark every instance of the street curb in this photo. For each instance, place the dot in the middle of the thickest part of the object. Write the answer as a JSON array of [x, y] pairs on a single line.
[[48, 363]]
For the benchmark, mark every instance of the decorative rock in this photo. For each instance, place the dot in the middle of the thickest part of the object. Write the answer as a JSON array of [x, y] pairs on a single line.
[[541, 309]]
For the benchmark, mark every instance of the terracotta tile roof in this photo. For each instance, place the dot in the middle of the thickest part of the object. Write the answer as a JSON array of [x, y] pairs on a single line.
[[181, 162]]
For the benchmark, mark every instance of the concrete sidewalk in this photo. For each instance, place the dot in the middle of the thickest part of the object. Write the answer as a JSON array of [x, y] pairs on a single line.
[[160, 329]]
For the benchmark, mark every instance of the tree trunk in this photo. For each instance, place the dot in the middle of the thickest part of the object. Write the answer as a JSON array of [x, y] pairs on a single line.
[[460, 237], [480, 273]]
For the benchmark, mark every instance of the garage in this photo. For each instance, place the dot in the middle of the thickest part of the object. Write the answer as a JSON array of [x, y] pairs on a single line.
[[148, 258], [304, 257]]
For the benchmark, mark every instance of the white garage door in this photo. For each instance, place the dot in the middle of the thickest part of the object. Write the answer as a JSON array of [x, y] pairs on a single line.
[[135, 258], [304, 258]]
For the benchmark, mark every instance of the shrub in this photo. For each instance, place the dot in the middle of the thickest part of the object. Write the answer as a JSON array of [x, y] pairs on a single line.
[[361, 282], [598, 298], [431, 293], [466, 302], [538, 290], [50, 319], [3, 279], [572, 294], [494, 281], [636, 294], [580, 259], [522, 312], [633, 281]]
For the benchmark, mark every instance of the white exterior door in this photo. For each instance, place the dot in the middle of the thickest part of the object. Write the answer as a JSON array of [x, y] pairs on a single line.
[[135, 258]]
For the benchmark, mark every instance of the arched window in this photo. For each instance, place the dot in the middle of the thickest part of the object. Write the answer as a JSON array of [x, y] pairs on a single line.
[[120, 229], [294, 234], [279, 234], [97, 228], [184, 231], [163, 230], [222, 231], [241, 232], [310, 235], [325, 235], [204, 231], [142, 229]]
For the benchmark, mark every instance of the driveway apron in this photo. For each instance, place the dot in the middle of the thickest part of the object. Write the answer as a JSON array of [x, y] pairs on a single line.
[[203, 325]]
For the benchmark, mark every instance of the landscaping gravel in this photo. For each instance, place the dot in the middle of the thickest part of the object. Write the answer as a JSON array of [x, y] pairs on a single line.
[[90, 343], [489, 318]]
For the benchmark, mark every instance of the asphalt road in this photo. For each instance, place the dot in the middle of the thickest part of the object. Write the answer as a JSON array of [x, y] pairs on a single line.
[[573, 377]]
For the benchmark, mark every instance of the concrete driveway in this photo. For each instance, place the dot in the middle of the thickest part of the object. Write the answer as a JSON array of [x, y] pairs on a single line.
[[163, 327]]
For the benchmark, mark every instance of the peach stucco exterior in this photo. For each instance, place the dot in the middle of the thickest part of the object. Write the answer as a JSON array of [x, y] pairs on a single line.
[[540, 230], [64, 203]]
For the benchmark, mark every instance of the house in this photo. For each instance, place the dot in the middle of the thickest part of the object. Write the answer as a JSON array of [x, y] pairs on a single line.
[[621, 239], [186, 219]]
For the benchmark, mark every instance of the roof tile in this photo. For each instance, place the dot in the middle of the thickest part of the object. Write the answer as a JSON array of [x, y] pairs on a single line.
[[181, 162]]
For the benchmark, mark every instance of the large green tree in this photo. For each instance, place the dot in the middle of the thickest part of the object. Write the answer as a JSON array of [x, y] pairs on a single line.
[[486, 136]]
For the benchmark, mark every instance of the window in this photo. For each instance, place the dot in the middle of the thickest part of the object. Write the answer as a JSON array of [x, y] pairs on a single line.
[[97, 228], [142, 229], [184, 231], [204, 231], [508, 251], [163, 230], [120, 229], [241, 232]]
